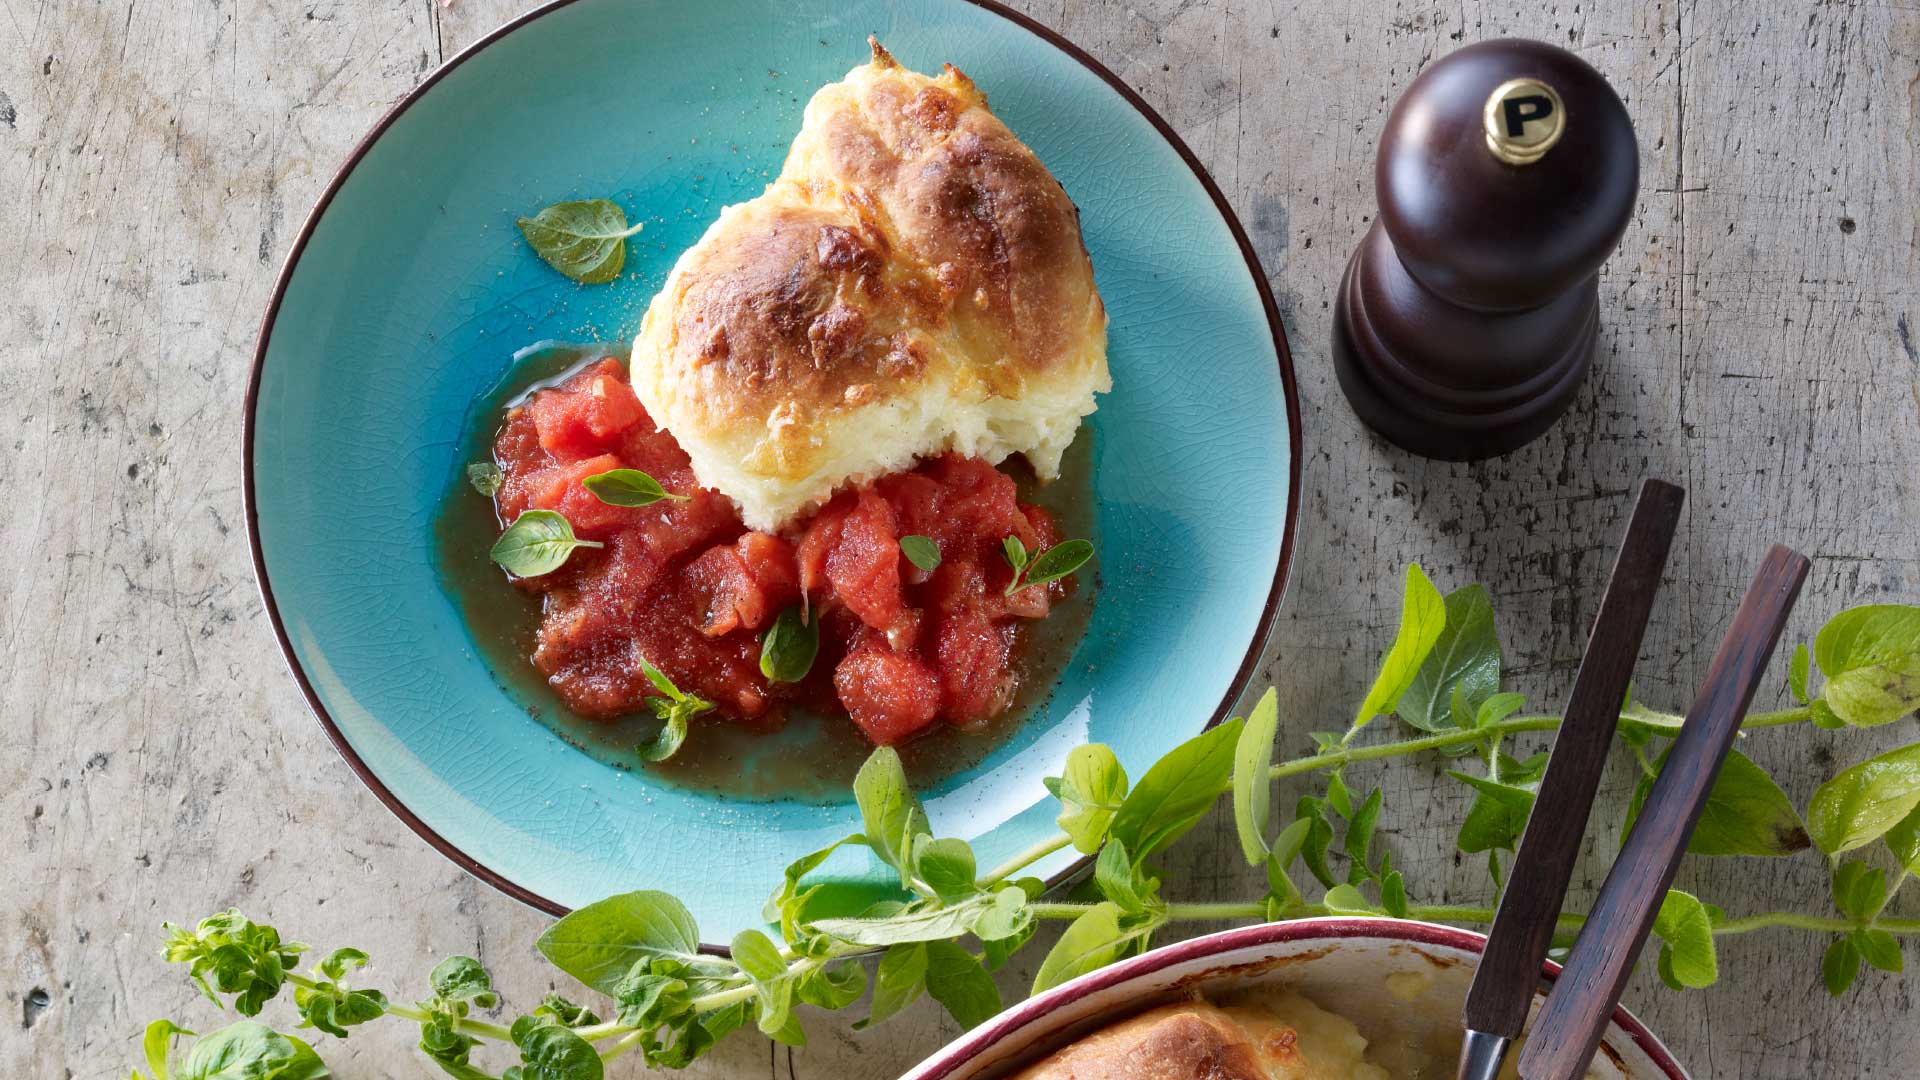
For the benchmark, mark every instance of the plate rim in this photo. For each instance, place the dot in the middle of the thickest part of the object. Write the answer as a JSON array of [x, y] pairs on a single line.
[[1256, 647]]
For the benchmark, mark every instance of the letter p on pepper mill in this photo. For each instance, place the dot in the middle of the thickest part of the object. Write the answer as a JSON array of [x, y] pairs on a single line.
[[1467, 317]]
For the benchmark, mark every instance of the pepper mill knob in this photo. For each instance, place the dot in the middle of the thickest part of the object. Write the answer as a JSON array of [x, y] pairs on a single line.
[[1468, 314]]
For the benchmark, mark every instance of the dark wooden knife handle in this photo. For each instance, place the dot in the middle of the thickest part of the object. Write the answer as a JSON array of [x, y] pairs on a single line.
[[1577, 1012]]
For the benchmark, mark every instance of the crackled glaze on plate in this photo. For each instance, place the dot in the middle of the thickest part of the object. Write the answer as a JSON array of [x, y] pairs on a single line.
[[409, 290]]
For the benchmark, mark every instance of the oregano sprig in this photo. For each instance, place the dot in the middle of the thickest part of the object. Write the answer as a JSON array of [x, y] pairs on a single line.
[[954, 920]]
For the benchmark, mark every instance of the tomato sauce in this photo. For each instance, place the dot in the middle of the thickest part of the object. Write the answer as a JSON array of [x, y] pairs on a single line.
[[686, 587]]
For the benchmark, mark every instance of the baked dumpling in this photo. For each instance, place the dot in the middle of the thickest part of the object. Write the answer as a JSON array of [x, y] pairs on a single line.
[[914, 282], [1290, 1038]]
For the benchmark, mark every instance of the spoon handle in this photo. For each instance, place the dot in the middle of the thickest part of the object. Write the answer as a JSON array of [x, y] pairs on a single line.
[[1571, 1023]]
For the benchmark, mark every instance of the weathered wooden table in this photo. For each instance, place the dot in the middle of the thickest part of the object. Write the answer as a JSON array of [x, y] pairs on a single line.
[[156, 762]]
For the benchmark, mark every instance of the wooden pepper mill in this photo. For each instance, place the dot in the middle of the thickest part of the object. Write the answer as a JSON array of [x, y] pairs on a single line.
[[1468, 315]]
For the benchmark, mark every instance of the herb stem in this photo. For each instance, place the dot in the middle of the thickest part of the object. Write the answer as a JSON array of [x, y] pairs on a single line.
[[720, 999], [479, 1028], [1216, 911], [632, 1039], [1822, 924], [1021, 860], [1544, 722]]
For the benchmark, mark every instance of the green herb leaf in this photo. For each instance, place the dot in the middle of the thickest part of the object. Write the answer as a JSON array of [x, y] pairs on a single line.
[[1113, 875], [889, 810], [918, 924], [1859, 890], [675, 708], [921, 551], [1089, 943], [1798, 672], [1346, 900], [1840, 966], [157, 1042], [1090, 793], [1252, 782], [552, 1052], [1177, 791], [1423, 616], [628, 487], [585, 240], [1746, 813], [1878, 948], [462, 978], [957, 981], [758, 956], [251, 1051], [1016, 556], [599, 943], [485, 478], [946, 866], [1359, 839], [1860, 804], [1497, 817], [789, 890], [1903, 839], [538, 542], [788, 647], [1686, 936], [1393, 894], [1870, 657], [1286, 848], [898, 981], [1006, 918], [1319, 838], [833, 987], [1464, 661], [1052, 564]]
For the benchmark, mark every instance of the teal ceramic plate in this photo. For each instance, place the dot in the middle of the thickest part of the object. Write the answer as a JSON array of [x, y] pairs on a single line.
[[408, 291]]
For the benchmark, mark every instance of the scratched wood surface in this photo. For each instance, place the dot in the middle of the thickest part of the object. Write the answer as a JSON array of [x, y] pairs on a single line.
[[156, 762]]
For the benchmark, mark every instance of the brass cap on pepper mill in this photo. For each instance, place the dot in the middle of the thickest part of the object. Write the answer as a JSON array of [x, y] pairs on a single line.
[[1468, 315]]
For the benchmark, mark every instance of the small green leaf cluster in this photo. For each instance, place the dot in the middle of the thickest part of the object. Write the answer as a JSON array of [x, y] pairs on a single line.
[[953, 923], [1058, 561]]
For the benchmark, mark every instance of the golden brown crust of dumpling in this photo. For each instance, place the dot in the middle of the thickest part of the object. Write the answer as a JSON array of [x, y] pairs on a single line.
[[910, 242], [1175, 1042]]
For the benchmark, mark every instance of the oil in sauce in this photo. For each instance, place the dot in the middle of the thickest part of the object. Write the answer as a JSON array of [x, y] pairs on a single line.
[[814, 757]]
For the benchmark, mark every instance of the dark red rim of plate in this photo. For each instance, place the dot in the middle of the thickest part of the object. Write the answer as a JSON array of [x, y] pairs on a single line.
[[951, 1057], [360, 768]]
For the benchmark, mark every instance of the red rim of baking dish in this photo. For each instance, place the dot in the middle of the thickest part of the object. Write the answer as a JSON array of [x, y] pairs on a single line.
[[945, 1062], [399, 809]]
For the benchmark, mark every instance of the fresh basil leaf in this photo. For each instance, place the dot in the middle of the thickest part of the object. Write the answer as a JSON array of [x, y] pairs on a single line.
[[485, 477], [1089, 943], [1498, 708], [538, 542], [340, 961], [628, 487], [585, 240], [1423, 616], [1056, 562], [1464, 659], [1252, 782], [1870, 657], [1347, 900], [788, 647], [1823, 717], [1746, 813], [668, 740], [1286, 848], [889, 810], [1840, 966], [1090, 793], [1860, 804], [157, 1042], [1339, 798], [1903, 839], [250, 1051], [1798, 672], [552, 1052], [1498, 815], [898, 981], [1177, 791], [956, 980], [946, 866], [921, 551], [1686, 935], [1878, 948], [599, 943]]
